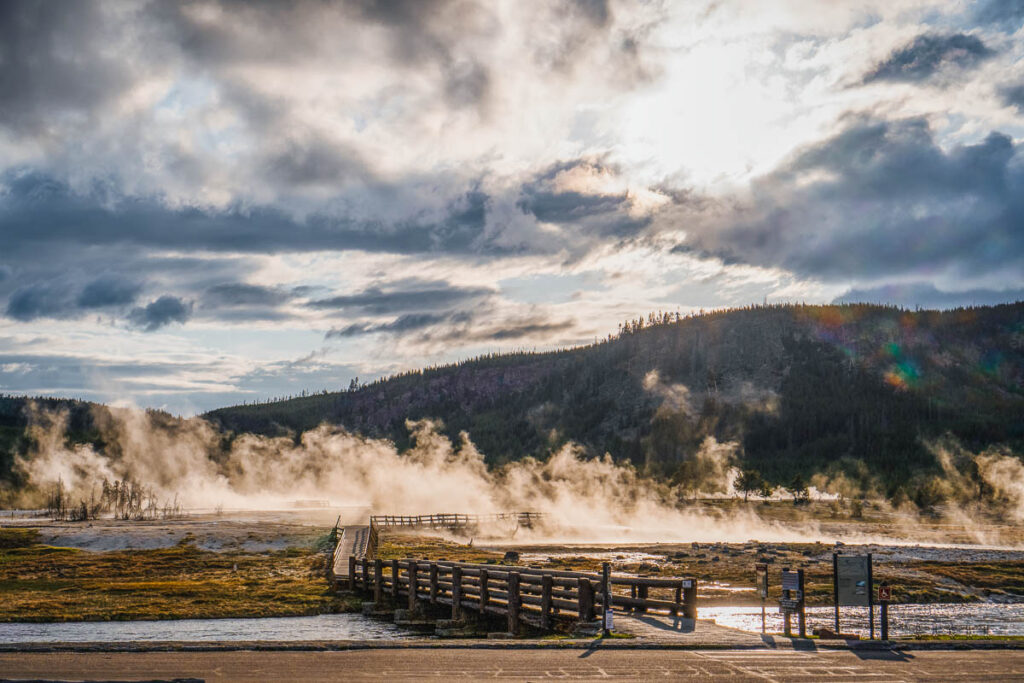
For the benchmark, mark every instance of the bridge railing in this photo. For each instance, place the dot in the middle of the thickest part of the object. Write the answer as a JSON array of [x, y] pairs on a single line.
[[453, 520], [527, 595]]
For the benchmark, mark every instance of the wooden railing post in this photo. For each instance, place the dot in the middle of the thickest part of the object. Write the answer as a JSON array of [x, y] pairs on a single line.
[[433, 583], [678, 599], [632, 594], [394, 581], [456, 593], [642, 590], [586, 600], [690, 598], [351, 572], [485, 593], [412, 585], [513, 603], [546, 583], [378, 581], [366, 574]]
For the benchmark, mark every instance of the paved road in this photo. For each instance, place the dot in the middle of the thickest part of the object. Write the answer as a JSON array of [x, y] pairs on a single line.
[[521, 665]]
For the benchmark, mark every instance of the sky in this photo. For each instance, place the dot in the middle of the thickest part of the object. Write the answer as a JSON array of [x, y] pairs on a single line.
[[206, 203]]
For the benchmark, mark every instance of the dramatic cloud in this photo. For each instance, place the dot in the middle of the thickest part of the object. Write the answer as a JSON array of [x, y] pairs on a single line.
[[403, 295], [1013, 95], [425, 180], [164, 311], [108, 291], [880, 199], [926, 295], [929, 54]]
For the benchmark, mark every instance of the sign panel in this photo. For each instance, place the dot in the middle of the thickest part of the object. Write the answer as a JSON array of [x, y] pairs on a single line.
[[609, 620], [884, 593], [790, 580], [762, 580], [853, 579]]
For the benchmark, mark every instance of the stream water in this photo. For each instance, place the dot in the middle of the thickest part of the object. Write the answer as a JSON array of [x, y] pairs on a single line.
[[904, 620], [321, 627]]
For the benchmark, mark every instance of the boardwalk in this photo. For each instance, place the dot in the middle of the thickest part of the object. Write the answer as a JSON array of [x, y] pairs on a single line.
[[353, 541]]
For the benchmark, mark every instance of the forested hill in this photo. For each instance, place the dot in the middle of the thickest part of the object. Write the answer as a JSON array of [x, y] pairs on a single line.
[[801, 388]]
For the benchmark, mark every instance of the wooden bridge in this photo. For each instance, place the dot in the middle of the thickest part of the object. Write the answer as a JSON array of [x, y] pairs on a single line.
[[522, 595], [452, 521], [360, 541]]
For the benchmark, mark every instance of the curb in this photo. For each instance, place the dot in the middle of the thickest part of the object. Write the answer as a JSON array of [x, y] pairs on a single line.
[[533, 644]]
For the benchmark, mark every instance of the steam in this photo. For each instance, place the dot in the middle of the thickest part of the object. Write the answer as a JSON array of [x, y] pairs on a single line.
[[584, 499]]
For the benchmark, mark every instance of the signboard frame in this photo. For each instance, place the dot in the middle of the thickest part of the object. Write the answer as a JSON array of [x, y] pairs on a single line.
[[847, 578]]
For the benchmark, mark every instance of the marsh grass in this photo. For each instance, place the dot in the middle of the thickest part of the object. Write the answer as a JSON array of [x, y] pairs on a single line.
[[45, 583]]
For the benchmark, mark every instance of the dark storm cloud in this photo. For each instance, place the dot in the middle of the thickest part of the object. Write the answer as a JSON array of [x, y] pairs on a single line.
[[929, 54], [52, 64], [164, 311], [108, 291], [36, 209], [314, 163], [595, 214], [927, 295], [1013, 95], [242, 294], [400, 325], [42, 300], [879, 199], [404, 295], [1009, 13]]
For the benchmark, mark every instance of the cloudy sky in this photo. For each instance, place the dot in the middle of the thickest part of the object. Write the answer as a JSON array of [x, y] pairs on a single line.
[[203, 203]]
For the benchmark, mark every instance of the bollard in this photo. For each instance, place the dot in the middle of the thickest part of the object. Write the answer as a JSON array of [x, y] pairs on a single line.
[[412, 586], [513, 603], [690, 598], [456, 593], [546, 584], [485, 592], [586, 600]]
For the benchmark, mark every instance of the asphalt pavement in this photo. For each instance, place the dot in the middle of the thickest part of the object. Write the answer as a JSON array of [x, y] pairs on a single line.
[[520, 665]]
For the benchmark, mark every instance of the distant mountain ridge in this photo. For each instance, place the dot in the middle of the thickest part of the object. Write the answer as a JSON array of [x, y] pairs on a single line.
[[801, 388]]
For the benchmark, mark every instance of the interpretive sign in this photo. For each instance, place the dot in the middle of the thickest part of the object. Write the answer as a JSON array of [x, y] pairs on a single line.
[[853, 580]]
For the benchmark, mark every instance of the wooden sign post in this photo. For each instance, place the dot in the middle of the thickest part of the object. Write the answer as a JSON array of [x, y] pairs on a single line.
[[762, 589], [792, 601]]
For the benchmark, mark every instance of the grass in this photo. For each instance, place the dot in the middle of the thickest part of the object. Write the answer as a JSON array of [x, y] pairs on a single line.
[[45, 583]]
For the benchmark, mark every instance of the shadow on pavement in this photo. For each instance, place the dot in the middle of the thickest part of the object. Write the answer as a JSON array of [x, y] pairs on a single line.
[[675, 624]]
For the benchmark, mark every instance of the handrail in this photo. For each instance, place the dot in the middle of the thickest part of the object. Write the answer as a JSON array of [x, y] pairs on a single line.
[[447, 520], [523, 595]]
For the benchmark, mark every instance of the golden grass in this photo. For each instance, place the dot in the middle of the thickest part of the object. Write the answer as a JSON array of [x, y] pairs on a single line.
[[43, 583]]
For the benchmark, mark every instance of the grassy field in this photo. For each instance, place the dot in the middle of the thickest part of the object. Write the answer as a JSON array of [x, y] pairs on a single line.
[[45, 583]]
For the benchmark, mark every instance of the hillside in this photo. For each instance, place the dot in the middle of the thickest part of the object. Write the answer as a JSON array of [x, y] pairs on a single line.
[[803, 389]]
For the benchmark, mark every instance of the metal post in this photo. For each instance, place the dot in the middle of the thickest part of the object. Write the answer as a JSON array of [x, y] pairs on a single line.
[[801, 616], [885, 620], [606, 595], [835, 587], [871, 601]]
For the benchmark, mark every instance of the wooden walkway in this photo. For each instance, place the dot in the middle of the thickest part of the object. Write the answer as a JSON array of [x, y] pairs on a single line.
[[355, 542]]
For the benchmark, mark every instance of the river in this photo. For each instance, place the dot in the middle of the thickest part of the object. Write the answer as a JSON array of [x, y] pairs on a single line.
[[985, 618], [321, 627]]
